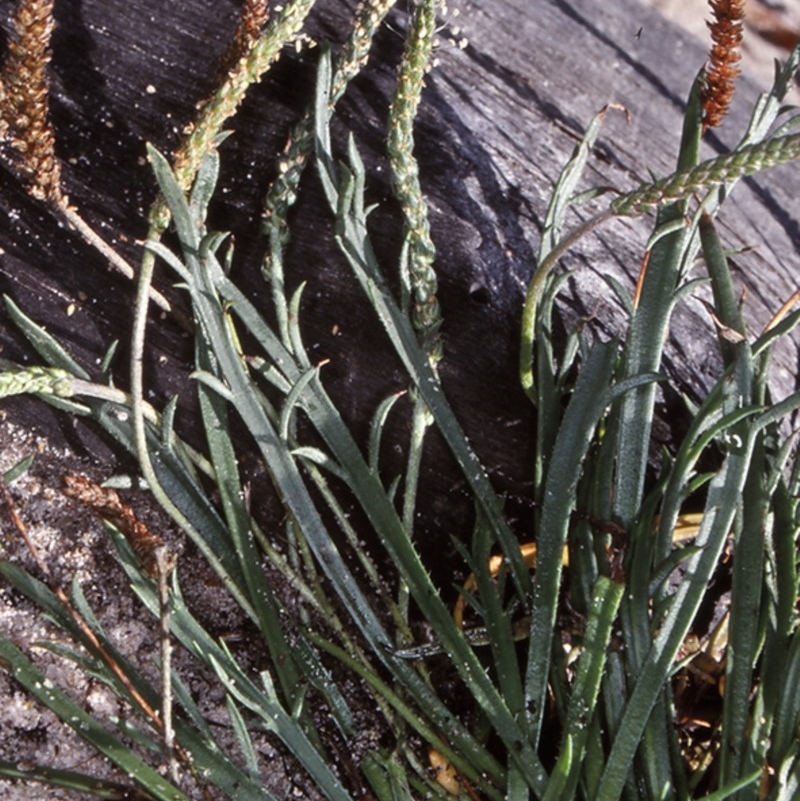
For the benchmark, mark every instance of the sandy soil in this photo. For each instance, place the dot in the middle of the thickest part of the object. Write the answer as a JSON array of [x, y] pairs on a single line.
[[71, 544], [74, 545]]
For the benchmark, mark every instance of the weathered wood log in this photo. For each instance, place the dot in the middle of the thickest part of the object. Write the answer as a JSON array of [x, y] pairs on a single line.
[[499, 118]]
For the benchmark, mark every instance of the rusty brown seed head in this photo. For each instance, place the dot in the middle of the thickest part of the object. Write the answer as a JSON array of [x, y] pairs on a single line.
[[726, 38], [24, 98], [251, 22]]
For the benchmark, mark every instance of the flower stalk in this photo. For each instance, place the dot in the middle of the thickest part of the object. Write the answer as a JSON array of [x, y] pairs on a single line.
[[745, 161], [348, 63], [201, 134], [420, 251]]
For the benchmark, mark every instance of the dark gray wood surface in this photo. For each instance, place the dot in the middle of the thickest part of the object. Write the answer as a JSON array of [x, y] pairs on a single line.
[[498, 120]]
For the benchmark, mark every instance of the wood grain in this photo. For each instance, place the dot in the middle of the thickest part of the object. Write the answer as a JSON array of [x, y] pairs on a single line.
[[499, 117]]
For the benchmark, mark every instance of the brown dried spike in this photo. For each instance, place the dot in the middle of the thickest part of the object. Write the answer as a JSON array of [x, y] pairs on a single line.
[[726, 38], [254, 16], [107, 505], [24, 100]]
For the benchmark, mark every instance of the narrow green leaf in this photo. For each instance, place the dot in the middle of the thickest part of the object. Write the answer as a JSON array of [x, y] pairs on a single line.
[[605, 603], [228, 482], [589, 402], [243, 738], [745, 626], [376, 429], [173, 194], [35, 682], [497, 619], [44, 344], [734, 787], [68, 780], [560, 777], [725, 301], [18, 470], [723, 496], [205, 181], [293, 400]]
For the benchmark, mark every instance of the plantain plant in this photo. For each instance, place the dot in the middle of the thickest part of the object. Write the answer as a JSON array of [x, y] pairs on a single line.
[[639, 563]]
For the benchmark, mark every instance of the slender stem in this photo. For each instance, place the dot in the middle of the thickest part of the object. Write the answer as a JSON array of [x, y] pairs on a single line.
[[164, 565], [421, 420], [137, 390], [89, 389], [383, 691], [534, 294], [70, 214], [44, 569]]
